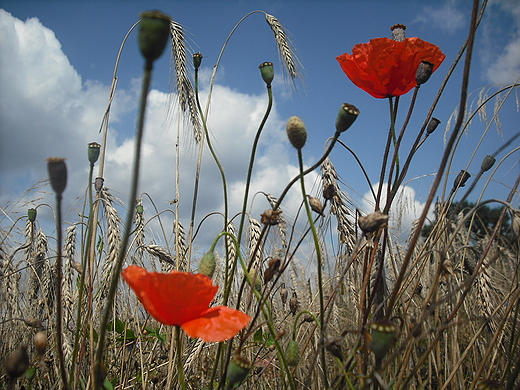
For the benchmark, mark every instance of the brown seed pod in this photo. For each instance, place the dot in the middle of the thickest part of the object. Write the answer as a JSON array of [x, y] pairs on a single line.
[[272, 269], [270, 217], [372, 222]]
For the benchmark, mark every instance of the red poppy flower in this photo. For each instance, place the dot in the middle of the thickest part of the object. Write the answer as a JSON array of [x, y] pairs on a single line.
[[385, 67], [183, 299]]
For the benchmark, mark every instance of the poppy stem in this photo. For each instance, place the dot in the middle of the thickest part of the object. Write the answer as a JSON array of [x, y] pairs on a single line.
[[178, 351]]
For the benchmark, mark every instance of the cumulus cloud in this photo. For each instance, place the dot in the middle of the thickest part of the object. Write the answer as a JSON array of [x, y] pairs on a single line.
[[405, 210], [445, 17], [47, 109]]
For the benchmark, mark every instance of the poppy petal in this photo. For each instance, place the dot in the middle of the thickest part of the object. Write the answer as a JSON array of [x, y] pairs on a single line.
[[173, 298], [217, 324]]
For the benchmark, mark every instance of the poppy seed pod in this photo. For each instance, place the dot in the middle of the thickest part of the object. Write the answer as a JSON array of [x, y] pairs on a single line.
[[17, 363], [154, 32], [267, 71], [382, 333], [461, 179], [208, 264], [31, 215], [93, 152], [296, 132], [40, 343], [237, 370], [197, 60], [487, 163], [398, 32], [346, 116], [424, 71], [432, 125], [57, 174], [292, 353]]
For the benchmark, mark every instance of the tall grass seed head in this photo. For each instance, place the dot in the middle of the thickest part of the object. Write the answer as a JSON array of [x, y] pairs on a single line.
[[347, 115], [292, 353], [208, 264], [57, 174], [296, 132], [154, 32], [267, 72], [93, 152], [31, 214]]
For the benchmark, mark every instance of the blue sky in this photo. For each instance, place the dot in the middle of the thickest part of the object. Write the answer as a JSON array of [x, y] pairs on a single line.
[[56, 68]]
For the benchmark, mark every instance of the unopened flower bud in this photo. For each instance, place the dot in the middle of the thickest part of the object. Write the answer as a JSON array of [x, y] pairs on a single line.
[[237, 370], [432, 125], [296, 131], [40, 343], [372, 222], [424, 71], [93, 152], [487, 163], [31, 215], [382, 333], [57, 174], [267, 71], [292, 353], [197, 60], [154, 32], [398, 32], [329, 192], [207, 264], [139, 209], [461, 179], [346, 116]]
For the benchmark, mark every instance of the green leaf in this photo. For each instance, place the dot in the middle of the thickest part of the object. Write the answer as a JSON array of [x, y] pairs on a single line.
[[259, 336], [108, 385]]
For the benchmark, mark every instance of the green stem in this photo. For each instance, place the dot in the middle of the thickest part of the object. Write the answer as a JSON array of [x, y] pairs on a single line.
[[178, 346], [319, 265], [116, 272], [59, 309]]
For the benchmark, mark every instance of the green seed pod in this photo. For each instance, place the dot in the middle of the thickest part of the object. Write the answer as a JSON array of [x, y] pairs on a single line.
[[139, 209], [424, 71], [31, 215], [93, 152], [237, 370], [197, 60], [57, 174], [292, 353], [487, 163], [207, 264], [296, 132], [383, 333], [154, 32], [346, 116], [267, 71]]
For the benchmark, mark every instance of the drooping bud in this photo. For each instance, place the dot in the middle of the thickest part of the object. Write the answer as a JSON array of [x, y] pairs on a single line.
[[461, 179], [197, 60], [17, 363], [372, 222], [237, 370], [315, 204], [267, 72], [98, 183], [154, 32], [487, 163], [296, 132], [272, 268], [208, 264], [432, 125], [329, 192], [57, 174], [346, 116], [270, 217], [398, 32], [40, 343], [333, 346], [424, 71], [31, 215], [93, 152], [292, 353], [382, 333]]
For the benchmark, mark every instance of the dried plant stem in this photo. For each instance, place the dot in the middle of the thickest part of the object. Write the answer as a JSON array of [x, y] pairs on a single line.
[[319, 267], [118, 265]]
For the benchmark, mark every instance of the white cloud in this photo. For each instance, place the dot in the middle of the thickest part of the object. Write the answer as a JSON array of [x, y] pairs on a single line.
[[46, 109], [445, 17]]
